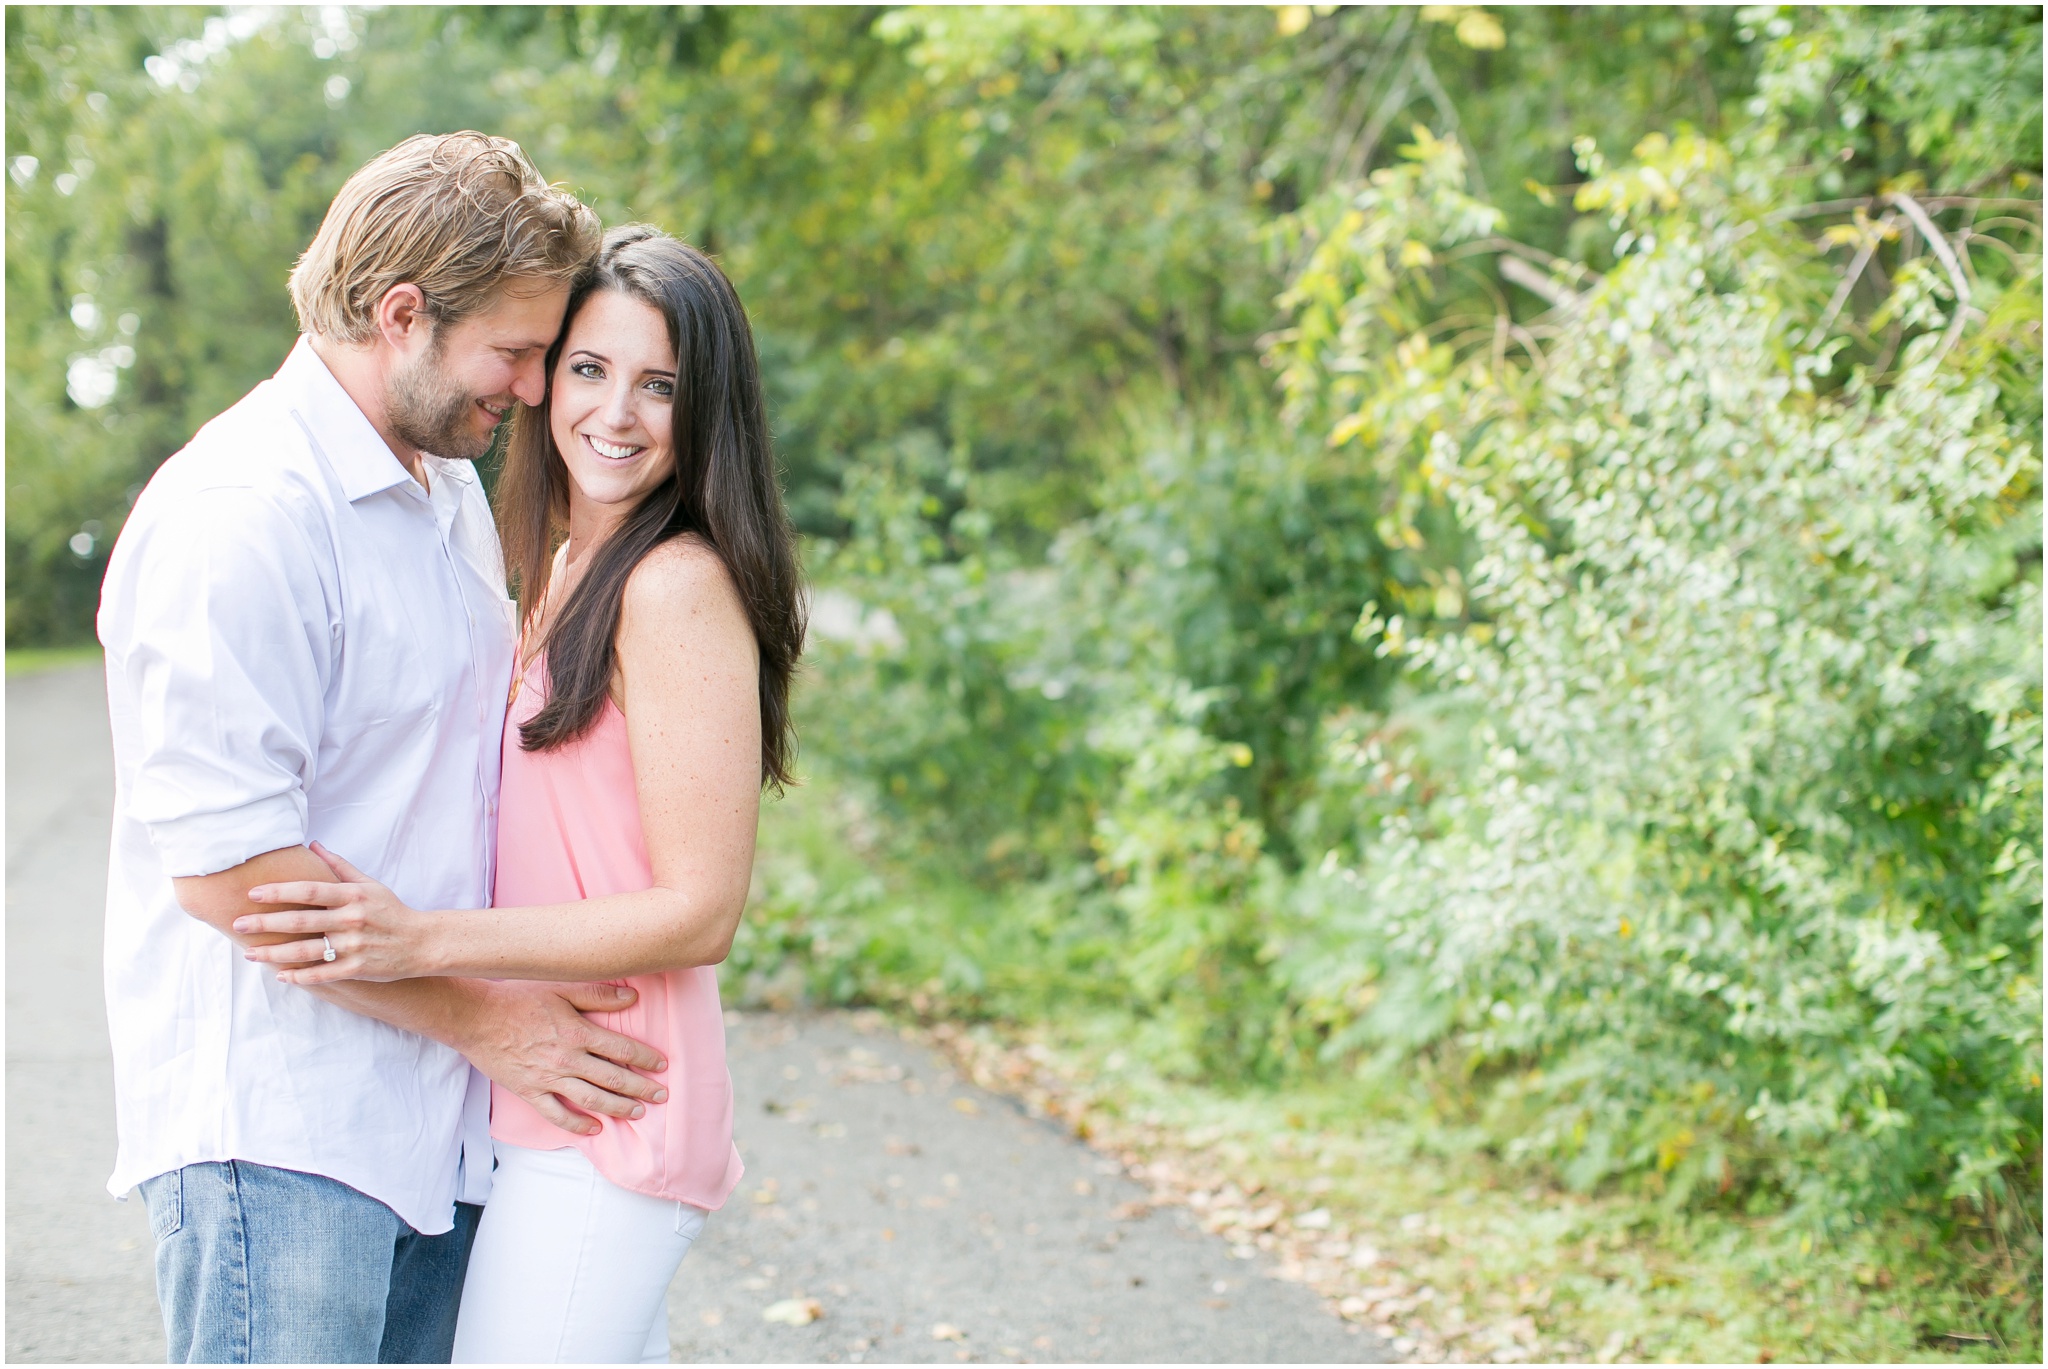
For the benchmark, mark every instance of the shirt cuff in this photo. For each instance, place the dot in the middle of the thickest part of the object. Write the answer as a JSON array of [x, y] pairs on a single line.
[[207, 843]]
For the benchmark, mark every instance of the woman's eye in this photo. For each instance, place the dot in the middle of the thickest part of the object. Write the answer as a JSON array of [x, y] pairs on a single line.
[[589, 370], [662, 388]]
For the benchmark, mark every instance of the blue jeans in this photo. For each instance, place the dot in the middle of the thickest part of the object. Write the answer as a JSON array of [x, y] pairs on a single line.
[[256, 1265]]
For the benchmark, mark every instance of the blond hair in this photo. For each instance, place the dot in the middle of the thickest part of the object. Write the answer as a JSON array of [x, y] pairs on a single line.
[[456, 214]]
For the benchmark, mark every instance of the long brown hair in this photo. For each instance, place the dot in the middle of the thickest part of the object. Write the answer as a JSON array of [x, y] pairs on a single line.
[[723, 489]]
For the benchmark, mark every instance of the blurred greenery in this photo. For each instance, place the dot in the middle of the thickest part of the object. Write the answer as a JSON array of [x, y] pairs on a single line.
[[1482, 558]]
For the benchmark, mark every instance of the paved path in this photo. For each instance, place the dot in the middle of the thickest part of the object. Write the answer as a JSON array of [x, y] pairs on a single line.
[[79, 1282], [928, 1220]]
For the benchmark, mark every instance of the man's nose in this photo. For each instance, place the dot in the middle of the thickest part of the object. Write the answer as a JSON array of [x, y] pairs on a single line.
[[530, 381]]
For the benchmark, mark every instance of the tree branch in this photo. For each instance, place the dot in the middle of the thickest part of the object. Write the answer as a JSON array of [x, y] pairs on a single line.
[[1938, 243], [1514, 269]]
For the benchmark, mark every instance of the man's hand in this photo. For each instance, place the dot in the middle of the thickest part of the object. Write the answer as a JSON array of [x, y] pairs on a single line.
[[533, 1039]]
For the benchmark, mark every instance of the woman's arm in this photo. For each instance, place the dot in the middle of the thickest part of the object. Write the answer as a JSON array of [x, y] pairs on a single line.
[[689, 687]]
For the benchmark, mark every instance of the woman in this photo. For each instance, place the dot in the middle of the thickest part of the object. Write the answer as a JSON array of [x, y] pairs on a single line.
[[650, 708]]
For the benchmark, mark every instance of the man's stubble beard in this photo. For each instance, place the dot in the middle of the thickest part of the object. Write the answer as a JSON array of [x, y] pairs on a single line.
[[431, 413]]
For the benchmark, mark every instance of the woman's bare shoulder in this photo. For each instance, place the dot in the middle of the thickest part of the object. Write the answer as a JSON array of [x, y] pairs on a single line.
[[681, 584]]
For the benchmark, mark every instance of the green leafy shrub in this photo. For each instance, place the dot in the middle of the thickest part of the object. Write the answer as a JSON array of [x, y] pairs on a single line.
[[1630, 711], [1746, 885]]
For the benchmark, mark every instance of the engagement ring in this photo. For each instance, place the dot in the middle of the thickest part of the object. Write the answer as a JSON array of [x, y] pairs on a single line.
[[330, 948]]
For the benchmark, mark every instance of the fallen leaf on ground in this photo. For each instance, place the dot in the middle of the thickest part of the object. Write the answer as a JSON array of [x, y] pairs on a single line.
[[1131, 1211], [966, 1105], [867, 1068], [712, 1316], [1083, 1187], [794, 1311], [945, 1330]]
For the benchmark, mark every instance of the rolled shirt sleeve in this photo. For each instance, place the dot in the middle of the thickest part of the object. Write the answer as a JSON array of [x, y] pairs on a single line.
[[228, 648]]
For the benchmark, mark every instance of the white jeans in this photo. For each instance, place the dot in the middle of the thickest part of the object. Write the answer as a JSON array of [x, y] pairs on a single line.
[[568, 1267]]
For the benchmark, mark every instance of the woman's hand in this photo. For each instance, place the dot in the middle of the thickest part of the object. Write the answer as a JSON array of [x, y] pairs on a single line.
[[374, 935]]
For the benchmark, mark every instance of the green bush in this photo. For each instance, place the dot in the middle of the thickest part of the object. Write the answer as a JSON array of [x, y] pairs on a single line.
[[1747, 883], [1626, 708]]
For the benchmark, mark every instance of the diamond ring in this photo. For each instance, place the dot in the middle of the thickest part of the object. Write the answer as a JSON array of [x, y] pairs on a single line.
[[330, 948]]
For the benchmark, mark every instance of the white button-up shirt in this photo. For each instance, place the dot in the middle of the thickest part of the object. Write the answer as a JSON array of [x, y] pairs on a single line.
[[302, 644]]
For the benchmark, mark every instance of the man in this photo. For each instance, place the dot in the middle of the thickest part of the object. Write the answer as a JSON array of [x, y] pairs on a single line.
[[308, 640]]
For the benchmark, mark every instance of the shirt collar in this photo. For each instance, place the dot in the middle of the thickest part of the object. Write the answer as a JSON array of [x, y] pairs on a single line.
[[448, 468], [358, 456]]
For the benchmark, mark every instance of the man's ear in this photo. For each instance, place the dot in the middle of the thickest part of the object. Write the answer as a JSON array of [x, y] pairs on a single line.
[[402, 319]]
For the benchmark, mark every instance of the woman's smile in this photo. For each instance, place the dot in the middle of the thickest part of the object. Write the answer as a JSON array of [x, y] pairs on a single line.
[[612, 451]]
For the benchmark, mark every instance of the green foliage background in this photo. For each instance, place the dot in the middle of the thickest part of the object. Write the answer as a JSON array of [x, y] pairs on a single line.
[[1488, 553]]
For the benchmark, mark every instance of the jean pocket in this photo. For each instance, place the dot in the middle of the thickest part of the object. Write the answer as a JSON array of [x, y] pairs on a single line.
[[165, 1198], [690, 1221]]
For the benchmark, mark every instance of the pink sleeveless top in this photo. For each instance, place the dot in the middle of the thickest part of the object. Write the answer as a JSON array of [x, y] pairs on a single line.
[[569, 829]]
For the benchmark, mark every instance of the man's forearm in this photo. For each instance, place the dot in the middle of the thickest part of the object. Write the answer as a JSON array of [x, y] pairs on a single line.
[[438, 1009], [539, 1046], [218, 899]]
